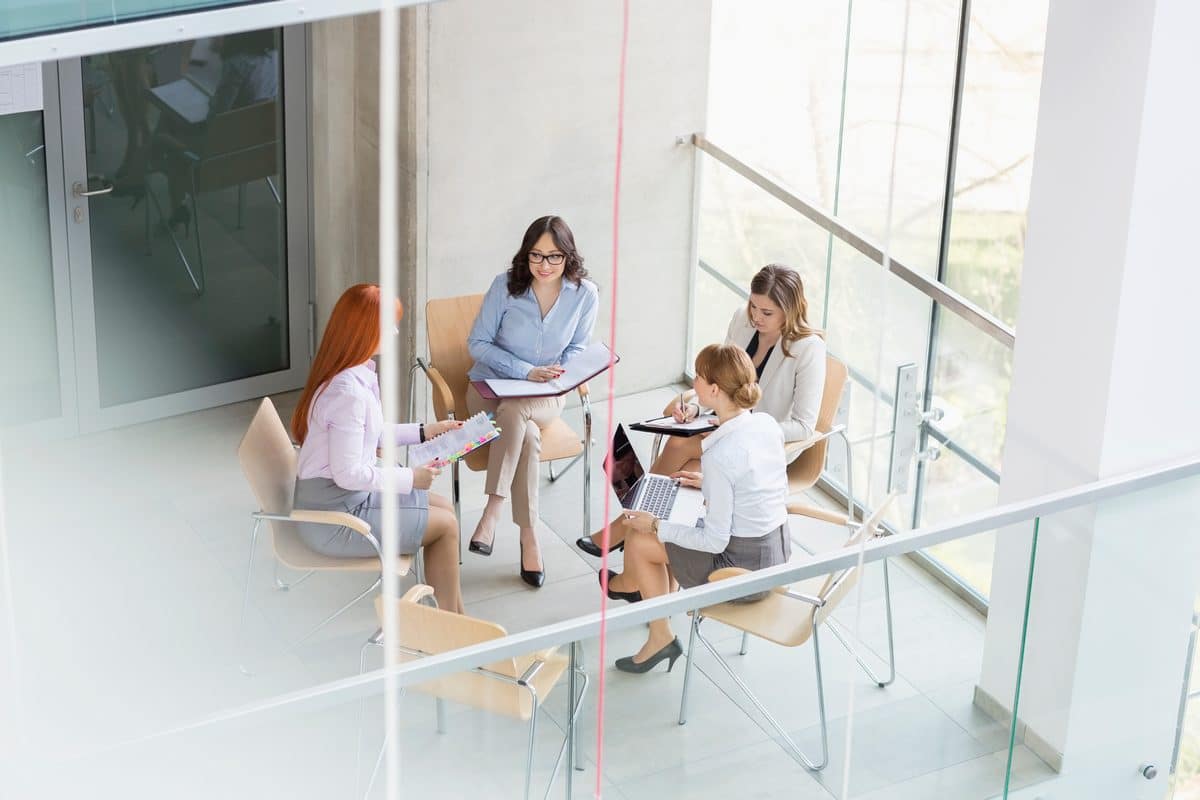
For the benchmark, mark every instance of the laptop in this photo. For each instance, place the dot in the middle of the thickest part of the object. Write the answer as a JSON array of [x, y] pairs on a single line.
[[656, 494]]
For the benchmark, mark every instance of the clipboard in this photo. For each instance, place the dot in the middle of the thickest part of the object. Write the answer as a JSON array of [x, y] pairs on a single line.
[[668, 427], [591, 362]]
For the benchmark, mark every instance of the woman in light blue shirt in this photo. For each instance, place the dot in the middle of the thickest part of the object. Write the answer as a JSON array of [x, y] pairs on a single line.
[[535, 317]]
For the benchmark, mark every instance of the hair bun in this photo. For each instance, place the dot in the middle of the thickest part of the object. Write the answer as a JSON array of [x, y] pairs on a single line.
[[747, 395]]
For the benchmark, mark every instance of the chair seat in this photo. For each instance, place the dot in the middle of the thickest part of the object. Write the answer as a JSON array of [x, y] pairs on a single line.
[[559, 440], [294, 553], [499, 697], [776, 618]]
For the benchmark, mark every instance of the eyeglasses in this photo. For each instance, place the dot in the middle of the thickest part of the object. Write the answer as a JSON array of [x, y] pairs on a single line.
[[554, 259]]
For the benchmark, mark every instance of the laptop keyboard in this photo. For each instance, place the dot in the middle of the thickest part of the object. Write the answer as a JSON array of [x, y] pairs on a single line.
[[659, 496]]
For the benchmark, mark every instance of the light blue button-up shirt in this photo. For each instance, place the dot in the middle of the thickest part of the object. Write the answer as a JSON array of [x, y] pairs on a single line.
[[509, 336]]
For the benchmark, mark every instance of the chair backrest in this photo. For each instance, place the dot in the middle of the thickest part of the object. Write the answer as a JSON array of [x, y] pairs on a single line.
[[448, 321], [431, 631], [240, 145], [806, 468], [838, 584], [268, 460]]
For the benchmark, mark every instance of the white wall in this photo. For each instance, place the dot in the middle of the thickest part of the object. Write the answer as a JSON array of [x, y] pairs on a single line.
[[521, 122]]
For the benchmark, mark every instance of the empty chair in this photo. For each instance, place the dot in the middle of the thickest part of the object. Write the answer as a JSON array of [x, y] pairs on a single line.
[[513, 687], [788, 616]]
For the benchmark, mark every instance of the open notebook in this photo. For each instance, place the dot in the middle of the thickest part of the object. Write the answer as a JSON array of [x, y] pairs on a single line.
[[582, 368], [476, 432]]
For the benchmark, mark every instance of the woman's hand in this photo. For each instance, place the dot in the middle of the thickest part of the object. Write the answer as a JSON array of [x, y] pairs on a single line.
[[543, 374], [640, 521], [686, 412], [433, 429], [423, 476], [690, 479]]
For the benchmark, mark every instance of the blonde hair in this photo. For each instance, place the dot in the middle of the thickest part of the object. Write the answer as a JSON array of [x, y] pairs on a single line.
[[729, 368], [783, 285]]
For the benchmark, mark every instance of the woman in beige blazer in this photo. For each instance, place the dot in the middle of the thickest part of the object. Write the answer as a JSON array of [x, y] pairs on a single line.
[[788, 356]]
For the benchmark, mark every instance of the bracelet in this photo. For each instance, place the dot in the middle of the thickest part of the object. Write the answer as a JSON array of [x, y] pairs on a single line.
[[421, 431]]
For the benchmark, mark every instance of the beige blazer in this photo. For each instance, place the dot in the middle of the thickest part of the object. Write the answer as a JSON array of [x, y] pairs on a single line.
[[792, 384]]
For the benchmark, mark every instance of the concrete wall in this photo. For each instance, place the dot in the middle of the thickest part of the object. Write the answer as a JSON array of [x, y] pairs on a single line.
[[521, 122], [344, 68]]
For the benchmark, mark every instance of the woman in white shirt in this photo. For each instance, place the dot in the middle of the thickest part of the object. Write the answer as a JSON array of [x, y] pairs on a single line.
[[744, 480], [788, 356], [339, 424]]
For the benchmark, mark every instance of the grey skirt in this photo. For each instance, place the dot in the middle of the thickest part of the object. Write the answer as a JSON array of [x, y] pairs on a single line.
[[322, 494], [692, 567]]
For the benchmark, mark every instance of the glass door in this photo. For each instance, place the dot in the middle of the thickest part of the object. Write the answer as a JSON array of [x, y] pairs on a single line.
[[186, 212]]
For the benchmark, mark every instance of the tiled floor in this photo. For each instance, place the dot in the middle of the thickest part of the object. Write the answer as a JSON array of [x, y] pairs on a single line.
[[127, 557]]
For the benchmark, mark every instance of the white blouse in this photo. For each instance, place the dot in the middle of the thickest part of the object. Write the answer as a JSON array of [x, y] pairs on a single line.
[[745, 485], [345, 428], [791, 385]]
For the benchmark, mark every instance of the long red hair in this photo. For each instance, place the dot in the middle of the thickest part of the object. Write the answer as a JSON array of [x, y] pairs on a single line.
[[350, 338]]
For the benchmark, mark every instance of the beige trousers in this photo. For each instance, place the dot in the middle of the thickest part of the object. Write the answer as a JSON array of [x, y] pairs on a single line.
[[513, 458]]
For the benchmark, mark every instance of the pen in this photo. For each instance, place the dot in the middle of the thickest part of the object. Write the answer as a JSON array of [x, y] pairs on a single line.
[[681, 411]]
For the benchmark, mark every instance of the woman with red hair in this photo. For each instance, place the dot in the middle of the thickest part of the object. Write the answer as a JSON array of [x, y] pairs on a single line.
[[339, 424]]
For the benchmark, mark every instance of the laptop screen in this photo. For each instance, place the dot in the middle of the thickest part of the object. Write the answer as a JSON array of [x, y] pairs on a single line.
[[626, 469]]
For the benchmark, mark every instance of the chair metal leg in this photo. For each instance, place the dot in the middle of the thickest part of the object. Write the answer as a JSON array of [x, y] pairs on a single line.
[[587, 466], [241, 205], [283, 586], [570, 741], [440, 710], [656, 448], [374, 641], [745, 648], [274, 190], [375, 771], [456, 501], [555, 476], [849, 478], [199, 238], [533, 715], [340, 611], [183, 259], [786, 741], [245, 599], [687, 669], [887, 604], [816, 640]]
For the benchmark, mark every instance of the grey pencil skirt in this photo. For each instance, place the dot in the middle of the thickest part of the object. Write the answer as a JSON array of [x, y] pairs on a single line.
[[322, 494], [692, 567]]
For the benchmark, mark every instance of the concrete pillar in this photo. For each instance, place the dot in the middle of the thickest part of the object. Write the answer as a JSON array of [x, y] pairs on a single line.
[[345, 162], [1105, 382]]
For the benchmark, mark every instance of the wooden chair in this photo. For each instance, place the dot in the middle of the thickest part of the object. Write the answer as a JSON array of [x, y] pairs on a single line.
[[788, 616], [513, 687], [448, 321], [268, 460]]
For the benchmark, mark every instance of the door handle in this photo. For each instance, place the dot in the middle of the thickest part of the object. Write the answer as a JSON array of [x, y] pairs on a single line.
[[77, 189]]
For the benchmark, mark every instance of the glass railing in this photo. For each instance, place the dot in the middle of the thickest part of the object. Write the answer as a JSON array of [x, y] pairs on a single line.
[[30, 17], [873, 684]]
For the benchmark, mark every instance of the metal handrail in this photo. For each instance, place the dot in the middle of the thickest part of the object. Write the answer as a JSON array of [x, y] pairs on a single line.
[[939, 292], [588, 626]]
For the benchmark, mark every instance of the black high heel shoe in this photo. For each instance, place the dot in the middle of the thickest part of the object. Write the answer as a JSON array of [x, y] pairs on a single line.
[[672, 651], [628, 597], [586, 544], [534, 577], [480, 547]]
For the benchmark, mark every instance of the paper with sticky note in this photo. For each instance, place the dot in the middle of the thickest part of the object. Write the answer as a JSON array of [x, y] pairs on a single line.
[[475, 433]]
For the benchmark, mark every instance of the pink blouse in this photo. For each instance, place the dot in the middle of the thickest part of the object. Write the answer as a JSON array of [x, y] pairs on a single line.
[[345, 427]]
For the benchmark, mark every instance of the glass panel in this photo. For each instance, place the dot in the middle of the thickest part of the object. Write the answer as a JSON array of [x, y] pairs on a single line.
[[188, 256], [29, 383], [995, 153], [872, 89], [769, 50], [956, 738], [30, 17]]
